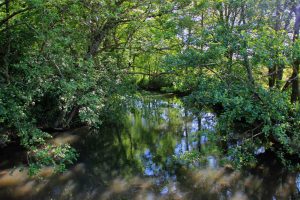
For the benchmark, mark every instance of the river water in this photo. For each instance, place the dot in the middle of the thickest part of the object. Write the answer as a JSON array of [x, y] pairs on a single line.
[[162, 150]]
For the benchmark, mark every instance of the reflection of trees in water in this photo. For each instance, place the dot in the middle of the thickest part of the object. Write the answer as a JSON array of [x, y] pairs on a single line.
[[135, 161]]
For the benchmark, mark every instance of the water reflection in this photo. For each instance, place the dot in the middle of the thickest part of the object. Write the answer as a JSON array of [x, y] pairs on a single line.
[[298, 182], [162, 151]]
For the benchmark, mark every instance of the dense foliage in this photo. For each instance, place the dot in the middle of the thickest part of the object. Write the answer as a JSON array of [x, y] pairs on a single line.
[[73, 63]]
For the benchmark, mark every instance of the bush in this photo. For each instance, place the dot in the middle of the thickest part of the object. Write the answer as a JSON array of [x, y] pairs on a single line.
[[250, 119]]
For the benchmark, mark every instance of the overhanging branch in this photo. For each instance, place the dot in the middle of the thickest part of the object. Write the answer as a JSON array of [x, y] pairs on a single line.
[[3, 21]]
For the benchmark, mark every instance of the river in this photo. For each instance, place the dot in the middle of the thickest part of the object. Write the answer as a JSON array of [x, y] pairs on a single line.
[[162, 150]]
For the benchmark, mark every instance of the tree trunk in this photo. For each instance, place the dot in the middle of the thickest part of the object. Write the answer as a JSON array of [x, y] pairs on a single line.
[[295, 78], [272, 76], [8, 45], [295, 83], [279, 76], [248, 66], [98, 37]]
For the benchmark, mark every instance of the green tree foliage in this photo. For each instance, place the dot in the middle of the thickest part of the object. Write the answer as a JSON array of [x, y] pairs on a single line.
[[72, 63], [63, 65], [254, 83]]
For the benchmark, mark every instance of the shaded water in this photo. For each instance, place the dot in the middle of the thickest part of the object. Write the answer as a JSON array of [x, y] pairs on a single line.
[[163, 151]]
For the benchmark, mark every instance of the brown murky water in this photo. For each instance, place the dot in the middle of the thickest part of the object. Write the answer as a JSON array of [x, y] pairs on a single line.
[[163, 151]]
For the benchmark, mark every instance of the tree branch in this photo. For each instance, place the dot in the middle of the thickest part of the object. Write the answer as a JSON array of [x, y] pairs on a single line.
[[3, 21]]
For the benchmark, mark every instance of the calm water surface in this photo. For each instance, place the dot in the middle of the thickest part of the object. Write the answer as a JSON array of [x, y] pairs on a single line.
[[163, 151]]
